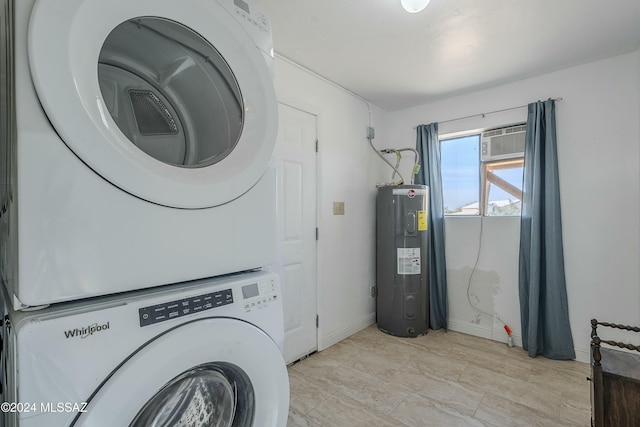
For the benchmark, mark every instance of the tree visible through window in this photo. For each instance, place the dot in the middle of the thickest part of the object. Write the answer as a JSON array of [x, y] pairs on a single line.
[[473, 187]]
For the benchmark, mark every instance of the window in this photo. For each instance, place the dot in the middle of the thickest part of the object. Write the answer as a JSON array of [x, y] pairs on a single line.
[[460, 165], [481, 184], [502, 187]]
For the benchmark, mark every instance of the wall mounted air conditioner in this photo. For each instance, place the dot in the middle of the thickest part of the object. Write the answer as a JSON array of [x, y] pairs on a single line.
[[503, 143]]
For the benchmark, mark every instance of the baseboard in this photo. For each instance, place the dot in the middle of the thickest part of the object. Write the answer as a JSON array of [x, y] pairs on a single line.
[[482, 331], [469, 328], [337, 336], [583, 355]]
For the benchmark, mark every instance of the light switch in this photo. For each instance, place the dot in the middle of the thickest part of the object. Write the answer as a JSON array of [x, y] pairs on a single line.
[[338, 208]]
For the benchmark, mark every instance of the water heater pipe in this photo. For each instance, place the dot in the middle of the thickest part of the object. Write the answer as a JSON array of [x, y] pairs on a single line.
[[395, 169]]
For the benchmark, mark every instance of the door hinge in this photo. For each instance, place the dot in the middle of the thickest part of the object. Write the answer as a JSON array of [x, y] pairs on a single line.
[[317, 321], [317, 233], [316, 145]]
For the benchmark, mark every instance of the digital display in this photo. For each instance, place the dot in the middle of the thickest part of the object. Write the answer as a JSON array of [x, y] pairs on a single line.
[[242, 5], [250, 291]]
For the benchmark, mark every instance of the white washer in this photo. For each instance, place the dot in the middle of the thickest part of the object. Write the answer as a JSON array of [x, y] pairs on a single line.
[[135, 146], [199, 354]]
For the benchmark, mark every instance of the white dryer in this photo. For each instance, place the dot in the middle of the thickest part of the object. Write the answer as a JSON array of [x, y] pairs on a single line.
[[135, 145], [206, 353]]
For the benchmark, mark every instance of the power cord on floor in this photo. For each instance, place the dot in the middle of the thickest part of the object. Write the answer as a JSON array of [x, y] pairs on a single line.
[[473, 271]]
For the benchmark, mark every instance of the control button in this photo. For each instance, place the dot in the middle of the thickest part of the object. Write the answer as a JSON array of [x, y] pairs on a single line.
[[174, 309]]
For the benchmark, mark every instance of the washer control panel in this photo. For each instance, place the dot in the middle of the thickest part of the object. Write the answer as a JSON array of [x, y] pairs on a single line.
[[184, 307], [254, 17], [258, 295]]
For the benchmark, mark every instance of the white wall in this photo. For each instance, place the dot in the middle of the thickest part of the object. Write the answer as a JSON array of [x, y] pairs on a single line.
[[599, 155], [599, 159], [347, 171]]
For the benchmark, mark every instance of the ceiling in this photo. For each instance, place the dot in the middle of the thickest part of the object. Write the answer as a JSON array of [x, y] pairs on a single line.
[[397, 60]]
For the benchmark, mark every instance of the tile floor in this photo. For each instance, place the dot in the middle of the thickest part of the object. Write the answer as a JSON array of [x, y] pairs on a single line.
[[443, 379]]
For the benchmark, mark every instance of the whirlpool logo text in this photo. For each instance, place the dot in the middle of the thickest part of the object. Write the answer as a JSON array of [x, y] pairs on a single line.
[[87, 331]]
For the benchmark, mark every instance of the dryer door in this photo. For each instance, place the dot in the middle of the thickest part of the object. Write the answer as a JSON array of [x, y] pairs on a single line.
[[171, 101], [210, 372]]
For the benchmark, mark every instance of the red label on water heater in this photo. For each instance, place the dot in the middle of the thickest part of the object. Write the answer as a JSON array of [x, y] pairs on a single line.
[[411, 194]]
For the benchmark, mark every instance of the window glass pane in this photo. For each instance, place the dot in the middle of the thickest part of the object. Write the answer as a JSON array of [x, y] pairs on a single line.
[[460, 164], [505, 190]]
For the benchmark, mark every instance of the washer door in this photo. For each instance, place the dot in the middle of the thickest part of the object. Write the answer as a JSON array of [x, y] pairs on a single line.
[[210, 372], [170, 101]]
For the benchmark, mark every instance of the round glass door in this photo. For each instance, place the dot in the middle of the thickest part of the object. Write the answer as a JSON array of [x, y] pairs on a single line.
[[215, 394], [171, 102], [170, 92]]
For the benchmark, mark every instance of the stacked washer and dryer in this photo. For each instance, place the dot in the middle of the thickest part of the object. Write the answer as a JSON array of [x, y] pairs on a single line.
[[138, 210]]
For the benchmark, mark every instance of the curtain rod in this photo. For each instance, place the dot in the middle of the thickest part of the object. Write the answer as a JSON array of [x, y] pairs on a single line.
[[487, 113]]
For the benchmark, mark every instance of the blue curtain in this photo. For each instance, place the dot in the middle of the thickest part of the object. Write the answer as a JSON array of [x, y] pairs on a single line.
[[543, 295], [429, 154]]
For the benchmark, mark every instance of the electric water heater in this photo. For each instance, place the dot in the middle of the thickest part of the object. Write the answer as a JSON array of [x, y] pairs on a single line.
[[402, 256]]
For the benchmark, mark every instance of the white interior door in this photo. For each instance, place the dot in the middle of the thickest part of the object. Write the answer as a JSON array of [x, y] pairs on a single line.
[[296, 260]]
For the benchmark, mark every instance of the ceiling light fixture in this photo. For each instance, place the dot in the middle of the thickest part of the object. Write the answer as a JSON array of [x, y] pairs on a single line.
[[414, 6]]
